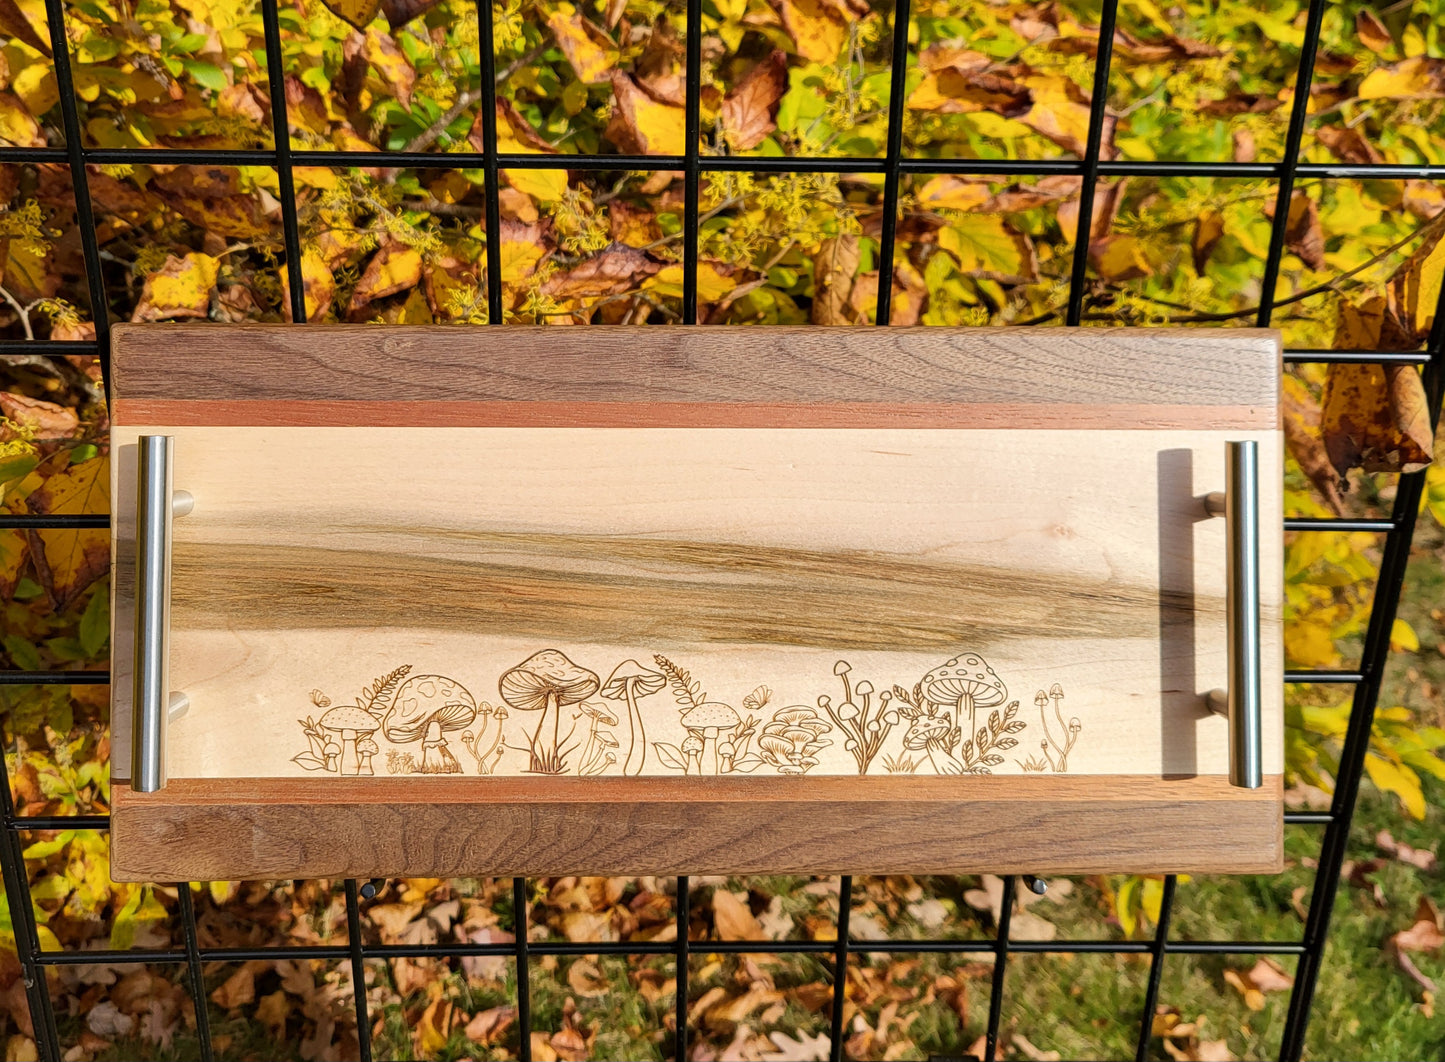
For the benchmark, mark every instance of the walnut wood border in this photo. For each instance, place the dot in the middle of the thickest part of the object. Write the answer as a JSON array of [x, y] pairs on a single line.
[[419, 827], [1088, 377]]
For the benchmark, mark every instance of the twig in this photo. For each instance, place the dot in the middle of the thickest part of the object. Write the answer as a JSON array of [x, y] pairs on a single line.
[[428, 136], [22, 311]]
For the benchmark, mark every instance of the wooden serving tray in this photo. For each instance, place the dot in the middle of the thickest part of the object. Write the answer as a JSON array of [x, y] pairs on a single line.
[[695, 600]]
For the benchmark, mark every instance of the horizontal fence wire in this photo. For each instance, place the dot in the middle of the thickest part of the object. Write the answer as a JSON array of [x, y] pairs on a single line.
[[1396, 530]]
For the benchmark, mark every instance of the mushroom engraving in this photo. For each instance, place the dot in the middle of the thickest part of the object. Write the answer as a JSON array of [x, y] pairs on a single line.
[[348, 721], [547, 682], [365, 749], [708, 720], [1059, 757], [630, 681], [427, 708], [968, 682]]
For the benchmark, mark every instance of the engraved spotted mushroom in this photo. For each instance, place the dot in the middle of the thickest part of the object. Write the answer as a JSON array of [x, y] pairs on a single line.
[[348, 722], [707, 721], [968, 683], [427, 708]]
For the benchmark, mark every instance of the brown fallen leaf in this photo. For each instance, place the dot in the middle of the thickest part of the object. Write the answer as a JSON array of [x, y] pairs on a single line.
[[584, 978], [614, 270], [1244, 147], [1265, 976], [356, 12], [1372, 32], [1358, 874], [1424, 858], [1207, 233], [1302, 233], [13, 23], [1423, 935], [490, 1025], [834, 268], [1348, 144], [1034, 1054], [749, 109], [399, 12], [1301, 417], [47, 419], [1376, 417], [732, 919]]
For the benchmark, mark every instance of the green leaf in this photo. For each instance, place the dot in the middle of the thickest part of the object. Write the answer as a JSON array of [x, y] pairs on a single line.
[[45, 849], [208, 75], [95, 622], [25, 655]]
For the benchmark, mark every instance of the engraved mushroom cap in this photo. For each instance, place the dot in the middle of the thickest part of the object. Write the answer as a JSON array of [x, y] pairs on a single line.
[[711, 714], [424, 699], [967, 673], [349, 717], [527, 685], [644, 681]]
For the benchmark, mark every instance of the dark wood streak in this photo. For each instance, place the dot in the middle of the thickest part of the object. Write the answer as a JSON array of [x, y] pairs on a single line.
[[584, 588], [1200, 367]]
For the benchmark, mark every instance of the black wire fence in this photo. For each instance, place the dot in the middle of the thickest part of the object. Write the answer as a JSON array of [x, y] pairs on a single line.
[[1396, 532]]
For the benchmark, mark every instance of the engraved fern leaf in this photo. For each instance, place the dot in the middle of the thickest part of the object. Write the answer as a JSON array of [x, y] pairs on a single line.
[[374, 698], [685, 690]]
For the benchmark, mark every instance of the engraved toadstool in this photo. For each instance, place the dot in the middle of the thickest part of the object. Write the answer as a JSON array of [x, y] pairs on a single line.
[[630, 681], [707, 720], [692, 754], [365, 749], [968, 682], [348, 720], [427, 708], [547, 682]]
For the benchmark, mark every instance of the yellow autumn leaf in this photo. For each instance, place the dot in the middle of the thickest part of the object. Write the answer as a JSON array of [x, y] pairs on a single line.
[[1398, 779], [1415, 287], [519, 258], [1309, 644], [545, 186], [589, 60], [1119, 258], [35, 85], [640, 124], [180, 288], [1057, 114], [1411, 79], [318, 285], [1403, 637], [946, 192], [711, 285], [984, 243], [817, 31], [17, 127], [75, 558], [395, 267], [390, 63]]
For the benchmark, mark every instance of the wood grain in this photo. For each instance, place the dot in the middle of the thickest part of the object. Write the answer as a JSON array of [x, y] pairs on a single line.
[[1233, 372], [212, 830]]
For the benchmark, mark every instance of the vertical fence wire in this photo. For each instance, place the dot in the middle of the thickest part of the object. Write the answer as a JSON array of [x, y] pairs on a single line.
[[1398, 531]]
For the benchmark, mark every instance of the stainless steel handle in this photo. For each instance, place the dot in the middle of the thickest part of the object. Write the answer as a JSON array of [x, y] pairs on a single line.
[[1242, 703], [153, 704]]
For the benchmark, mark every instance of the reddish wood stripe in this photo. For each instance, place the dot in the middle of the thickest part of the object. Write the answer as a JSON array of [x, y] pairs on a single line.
[[444, 414]]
